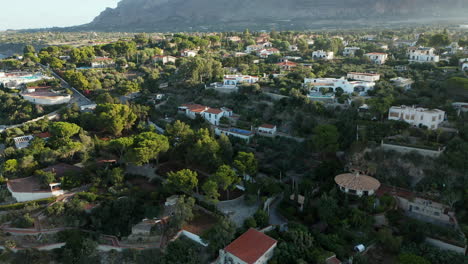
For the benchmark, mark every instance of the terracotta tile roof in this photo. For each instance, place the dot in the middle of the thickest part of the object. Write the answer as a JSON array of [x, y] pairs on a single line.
[[26, 185], [333, 260], [357, 182], [269, 126], [197, 108], [250, 246], [102, 59], [287, 63], [215, 111], [43, 135], [62, 168]]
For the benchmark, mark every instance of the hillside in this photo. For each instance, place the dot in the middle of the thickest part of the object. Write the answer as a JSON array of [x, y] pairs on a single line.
[[152, 15]]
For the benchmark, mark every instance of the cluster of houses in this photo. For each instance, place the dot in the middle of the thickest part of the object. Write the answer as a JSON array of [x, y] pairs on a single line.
[[214, 116], [417, 205]]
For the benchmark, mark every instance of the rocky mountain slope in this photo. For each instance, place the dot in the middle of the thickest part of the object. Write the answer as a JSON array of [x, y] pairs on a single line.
[[237, 14]]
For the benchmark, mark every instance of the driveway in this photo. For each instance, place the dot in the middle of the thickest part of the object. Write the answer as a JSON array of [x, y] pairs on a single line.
[[237, 210], [275, 217]]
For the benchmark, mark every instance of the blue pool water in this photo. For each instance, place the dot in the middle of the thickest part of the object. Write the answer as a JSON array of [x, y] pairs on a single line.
[[240, 131], [83, 68], [30, 77]]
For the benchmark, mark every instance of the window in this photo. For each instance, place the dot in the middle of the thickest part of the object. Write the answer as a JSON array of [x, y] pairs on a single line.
[[422, 117], [433, 118], [436, 213]]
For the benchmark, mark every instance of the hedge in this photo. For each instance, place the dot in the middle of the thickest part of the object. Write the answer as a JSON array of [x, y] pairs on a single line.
[[17, 206]]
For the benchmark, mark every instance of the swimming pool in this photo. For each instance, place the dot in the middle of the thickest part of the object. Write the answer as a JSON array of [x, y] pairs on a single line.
[[34, 77], [240, 131]]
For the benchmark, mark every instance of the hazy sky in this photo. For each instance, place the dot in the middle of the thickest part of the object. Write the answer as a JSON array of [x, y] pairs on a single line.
[[20, 14]]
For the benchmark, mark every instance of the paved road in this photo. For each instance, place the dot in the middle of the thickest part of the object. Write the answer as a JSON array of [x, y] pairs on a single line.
[[275, 217], [237, 210]]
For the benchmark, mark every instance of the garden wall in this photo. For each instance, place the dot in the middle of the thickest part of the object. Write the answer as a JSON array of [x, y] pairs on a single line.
[[445, 245], [405, 149]]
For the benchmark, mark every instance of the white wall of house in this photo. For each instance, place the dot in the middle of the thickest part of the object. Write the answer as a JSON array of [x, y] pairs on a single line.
[[320, 54], [265, 130], [234, 80], [425, 208], [357, 192], [31, 196], [47, 100], [347, 86], [377, 58], [422, 55], [213, 118], [417, 116], [220, 132], [228, 258], [360, 76], [350, 51]]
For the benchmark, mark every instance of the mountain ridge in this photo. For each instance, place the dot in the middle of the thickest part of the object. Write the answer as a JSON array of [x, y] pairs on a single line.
[[236, 14]]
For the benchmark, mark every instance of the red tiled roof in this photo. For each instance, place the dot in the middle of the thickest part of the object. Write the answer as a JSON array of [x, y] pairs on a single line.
[[287, 63], [195, 107], [333, 260], [26, 185], [62, 168], [250, 246], [102, 59], [268, 126], [214, 111], [357, 182], [43, 135]]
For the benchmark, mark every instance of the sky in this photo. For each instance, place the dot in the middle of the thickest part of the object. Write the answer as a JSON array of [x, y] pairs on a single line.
[[25, 14]]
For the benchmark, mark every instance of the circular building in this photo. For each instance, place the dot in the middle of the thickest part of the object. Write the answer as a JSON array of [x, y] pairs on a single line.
[[357, 184]]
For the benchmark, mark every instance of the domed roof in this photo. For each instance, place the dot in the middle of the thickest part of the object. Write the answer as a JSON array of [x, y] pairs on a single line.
[[357, 182]]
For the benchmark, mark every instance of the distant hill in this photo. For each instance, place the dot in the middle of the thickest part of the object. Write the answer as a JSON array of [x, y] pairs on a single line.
[[180, 15]]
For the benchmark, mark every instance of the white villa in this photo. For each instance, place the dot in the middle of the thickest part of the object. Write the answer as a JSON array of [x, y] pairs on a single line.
[[29, 189], [267, 129], [417, 116], [102, 62], [325, 55], [265, 53], [212, 115], [405, 83], [251, 48], [45, 96], [350, 51], [377, 57], [189, 53], [362, 76], [164, 59], [232, 81], [252, 247], [333, 84], [422, 55], [23, 141]]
